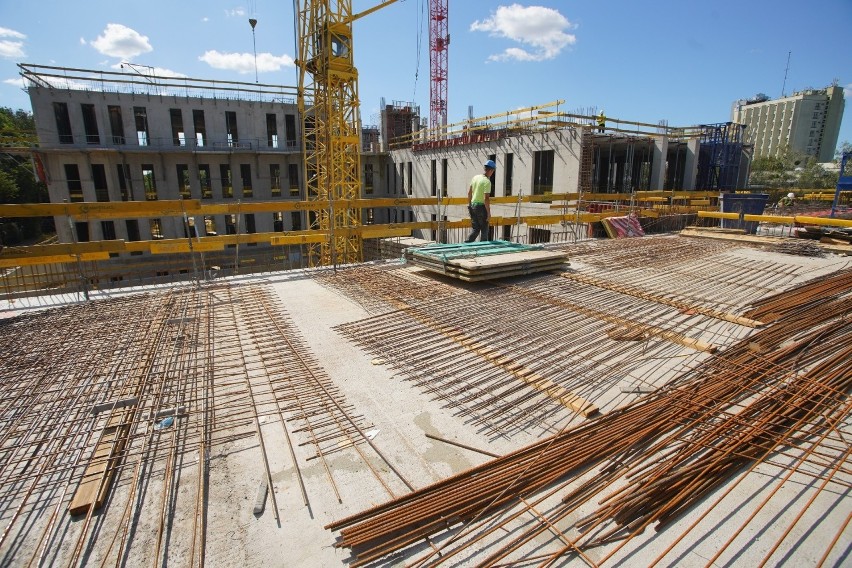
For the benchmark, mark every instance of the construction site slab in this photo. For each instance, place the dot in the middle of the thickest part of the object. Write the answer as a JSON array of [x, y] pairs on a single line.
[[279, 416]]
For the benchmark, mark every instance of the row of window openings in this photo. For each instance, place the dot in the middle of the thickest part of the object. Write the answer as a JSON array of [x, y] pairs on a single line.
[[99, 180], [108, 229], [248, 226], [543, 161], [143, 138], [542, 179]]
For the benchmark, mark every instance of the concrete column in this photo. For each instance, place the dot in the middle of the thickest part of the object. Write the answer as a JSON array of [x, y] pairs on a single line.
[[690, 169], [658, 168]]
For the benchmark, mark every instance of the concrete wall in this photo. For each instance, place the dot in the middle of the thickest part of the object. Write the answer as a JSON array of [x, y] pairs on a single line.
[[251, 148], [465, 161]]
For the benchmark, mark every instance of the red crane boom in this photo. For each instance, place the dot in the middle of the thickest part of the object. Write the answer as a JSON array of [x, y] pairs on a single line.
[[439, 40]]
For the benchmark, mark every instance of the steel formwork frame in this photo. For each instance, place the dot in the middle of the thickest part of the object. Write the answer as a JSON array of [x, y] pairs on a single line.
[[330, 127], [439, 40], [719, 156]]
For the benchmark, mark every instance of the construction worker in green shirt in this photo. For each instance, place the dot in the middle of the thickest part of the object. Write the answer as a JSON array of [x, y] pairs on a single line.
[[479, 202], [601, 121]]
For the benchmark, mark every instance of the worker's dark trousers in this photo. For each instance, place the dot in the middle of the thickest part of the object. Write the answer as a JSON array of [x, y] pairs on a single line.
[[479, 223]]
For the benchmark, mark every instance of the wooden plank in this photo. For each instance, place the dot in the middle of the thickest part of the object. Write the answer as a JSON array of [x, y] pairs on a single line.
[[96, 480], [367, 233], [63, 249], [298, 239], [182, 245], [53, 259]]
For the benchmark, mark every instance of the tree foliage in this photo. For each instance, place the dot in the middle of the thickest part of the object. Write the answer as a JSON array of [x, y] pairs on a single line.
[[18, 184], [791, 170]]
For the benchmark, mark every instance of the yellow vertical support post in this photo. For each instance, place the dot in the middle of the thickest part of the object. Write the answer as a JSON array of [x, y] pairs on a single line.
[[328, 104]]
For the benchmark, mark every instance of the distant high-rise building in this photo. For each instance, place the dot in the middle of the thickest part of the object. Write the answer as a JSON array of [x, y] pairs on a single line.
[[806, 122]]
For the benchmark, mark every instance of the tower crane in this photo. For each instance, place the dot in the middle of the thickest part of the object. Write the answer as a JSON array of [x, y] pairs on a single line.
[[330, 125], [439, 40]]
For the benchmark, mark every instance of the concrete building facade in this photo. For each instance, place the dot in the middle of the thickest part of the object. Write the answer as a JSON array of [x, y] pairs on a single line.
[[133, 139], [806, 122], [153, 142]]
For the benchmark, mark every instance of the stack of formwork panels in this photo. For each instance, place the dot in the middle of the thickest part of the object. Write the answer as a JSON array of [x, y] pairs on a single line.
[[485, 260]]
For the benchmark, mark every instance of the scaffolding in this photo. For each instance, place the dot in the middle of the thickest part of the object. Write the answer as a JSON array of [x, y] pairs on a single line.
[[719, 156]]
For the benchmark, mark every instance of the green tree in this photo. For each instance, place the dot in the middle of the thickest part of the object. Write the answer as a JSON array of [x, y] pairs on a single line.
[[790, 170], [18, 183]]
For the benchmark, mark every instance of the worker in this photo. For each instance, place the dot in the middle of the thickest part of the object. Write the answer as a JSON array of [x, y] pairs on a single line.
[[479, 202], [601, 121], [788, 200]]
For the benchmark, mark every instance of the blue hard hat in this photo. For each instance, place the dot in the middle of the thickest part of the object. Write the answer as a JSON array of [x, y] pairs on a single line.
[[491, 164]]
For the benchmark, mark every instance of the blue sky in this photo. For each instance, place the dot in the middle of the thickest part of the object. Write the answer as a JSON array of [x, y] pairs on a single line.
[[678, 60]]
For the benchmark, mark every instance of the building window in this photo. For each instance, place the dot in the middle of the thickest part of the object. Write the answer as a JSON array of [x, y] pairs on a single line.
[[275, 180], [100, 182], [199, 127], [251, 226], [227, 183], [82, 230], [369, 216], [368, 179], [293, 179], [409, 180], [183, 180], [230, 224], [108, 230], [116, 124], [433, 170], [75, 185], [296, 220], [543, 172], [205, 181], [140, 115], [123, 171], [245, 178], [231, 128], [133, 230], [210, 226], [156, 229], [90, 124], [508, 165], [444, 177], [271, 131], [290, 130], [63, 123], [178, 134], [149, 182]]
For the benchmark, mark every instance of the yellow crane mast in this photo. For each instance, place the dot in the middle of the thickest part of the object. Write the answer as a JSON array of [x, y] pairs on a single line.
[[330, 125]]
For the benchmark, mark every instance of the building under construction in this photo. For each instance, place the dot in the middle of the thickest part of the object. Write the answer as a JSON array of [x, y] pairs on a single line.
[[183, 386]]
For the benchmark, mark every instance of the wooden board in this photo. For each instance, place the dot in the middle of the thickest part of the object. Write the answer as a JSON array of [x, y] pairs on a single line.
[[492, 267]]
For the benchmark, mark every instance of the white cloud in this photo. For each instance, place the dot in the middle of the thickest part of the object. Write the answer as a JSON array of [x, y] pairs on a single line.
[[6, 32], [244, 62], [11, 49], [122, 42], [536, 27], [16, 82], [847, 91]]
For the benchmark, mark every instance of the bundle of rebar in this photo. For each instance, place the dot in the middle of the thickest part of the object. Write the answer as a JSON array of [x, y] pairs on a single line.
[[798, 247], [762, 394]]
